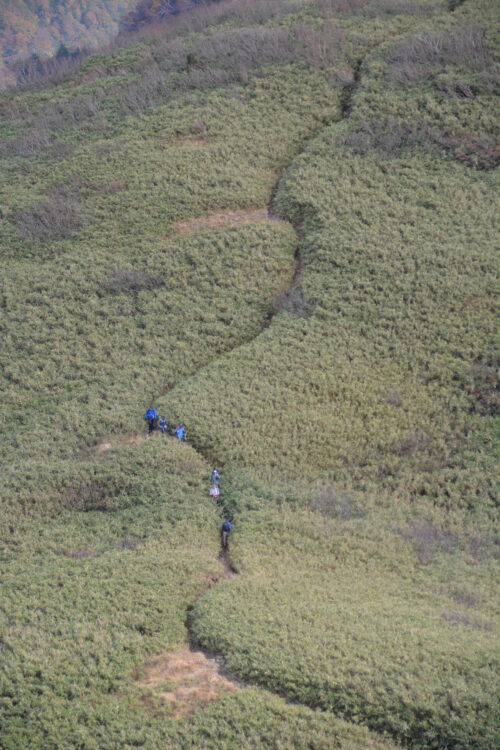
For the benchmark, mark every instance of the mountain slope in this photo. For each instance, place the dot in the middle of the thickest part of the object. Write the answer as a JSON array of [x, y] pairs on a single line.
[[277, 220], [147, 11], [40, 26]]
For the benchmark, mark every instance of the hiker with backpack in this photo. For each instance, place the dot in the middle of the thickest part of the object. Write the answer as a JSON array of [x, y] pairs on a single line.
[[226, 528], [151, 418], [163, 425], [215, 477], [179, 431]]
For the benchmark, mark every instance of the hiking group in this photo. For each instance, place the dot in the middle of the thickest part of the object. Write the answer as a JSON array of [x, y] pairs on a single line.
[[151, 417]]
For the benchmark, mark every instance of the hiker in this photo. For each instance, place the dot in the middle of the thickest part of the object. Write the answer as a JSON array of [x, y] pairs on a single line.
[[163, 424], [226, 528], [151, 418], [215, 476], [179, 431]]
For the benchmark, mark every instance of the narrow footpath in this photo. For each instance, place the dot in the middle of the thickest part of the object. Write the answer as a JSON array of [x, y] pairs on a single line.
[[197, 675]]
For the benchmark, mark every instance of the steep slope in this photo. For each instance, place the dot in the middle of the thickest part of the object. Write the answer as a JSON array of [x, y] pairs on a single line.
[[278, 222]]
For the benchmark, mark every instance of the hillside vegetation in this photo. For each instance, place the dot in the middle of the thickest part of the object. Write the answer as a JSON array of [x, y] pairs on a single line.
[[278, 221], [39, 27], [146, 12]]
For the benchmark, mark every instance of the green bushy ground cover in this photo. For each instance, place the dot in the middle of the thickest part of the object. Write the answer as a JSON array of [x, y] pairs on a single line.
[[407, 647], [97, 574], [194, 316], [203, 307], [368, 381], [356, 428]]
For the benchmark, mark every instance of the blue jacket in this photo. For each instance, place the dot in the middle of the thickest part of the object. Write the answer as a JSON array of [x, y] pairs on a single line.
[[226, 526], [150, 414]]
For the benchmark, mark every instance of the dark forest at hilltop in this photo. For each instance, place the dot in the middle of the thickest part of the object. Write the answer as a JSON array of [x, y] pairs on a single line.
[[39, 26]]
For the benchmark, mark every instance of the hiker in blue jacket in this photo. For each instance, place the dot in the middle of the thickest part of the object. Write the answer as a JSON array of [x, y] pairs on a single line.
[[215, 477], [226, 528], [179, 431], [151, 418]]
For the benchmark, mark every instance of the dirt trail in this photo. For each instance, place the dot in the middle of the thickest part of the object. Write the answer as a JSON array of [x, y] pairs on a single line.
[[185, 680], [229, 569], [195, 677], [189, 678]]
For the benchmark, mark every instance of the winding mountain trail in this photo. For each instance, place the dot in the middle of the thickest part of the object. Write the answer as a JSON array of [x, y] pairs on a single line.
[[194, 675], [213, 221], [189, 678]]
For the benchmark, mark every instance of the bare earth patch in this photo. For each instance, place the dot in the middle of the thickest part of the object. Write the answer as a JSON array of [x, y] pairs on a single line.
[[219, 219], [186, 680], [120, 441], [191, 140]]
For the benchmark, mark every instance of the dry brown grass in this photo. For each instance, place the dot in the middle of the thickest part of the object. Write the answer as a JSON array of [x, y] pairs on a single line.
[[185, 680], [191, 140], [118, 442], [219, 219]]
